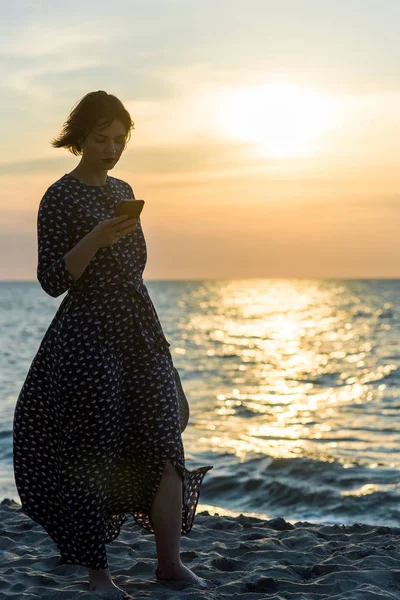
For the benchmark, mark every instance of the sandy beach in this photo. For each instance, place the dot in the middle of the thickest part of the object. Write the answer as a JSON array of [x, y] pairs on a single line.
[[241, 557]]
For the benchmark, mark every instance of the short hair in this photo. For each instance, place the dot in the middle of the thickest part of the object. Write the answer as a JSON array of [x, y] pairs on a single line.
[[94, 109]]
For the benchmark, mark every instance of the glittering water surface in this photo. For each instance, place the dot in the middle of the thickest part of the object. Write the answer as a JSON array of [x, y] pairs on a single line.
[[293, 387]]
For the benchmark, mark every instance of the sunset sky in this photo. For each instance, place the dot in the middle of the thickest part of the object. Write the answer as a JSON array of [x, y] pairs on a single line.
[[267, 133]]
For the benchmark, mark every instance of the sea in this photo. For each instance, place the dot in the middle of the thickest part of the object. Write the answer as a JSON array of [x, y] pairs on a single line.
[[293, 387]]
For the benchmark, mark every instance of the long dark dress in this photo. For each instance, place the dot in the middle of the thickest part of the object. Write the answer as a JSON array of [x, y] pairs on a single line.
[[97, 416]]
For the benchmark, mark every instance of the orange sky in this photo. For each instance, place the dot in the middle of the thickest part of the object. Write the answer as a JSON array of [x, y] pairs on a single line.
[[258, 154]]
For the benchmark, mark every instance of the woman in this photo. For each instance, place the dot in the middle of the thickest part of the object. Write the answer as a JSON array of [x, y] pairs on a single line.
[[96, 425]]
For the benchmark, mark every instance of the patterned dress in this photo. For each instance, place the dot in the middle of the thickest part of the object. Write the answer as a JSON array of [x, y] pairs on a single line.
[[97, 415]]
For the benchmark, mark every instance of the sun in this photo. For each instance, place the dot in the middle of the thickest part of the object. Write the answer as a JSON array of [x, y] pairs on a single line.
[[280, 120]]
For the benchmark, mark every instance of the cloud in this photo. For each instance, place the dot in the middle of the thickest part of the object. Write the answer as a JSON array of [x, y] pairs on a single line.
[[209, 156], [24, 81], [31, 166], [41, 50], [44, 39]]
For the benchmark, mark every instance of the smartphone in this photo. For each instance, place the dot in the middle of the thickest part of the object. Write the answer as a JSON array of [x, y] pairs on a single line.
[[132, 208]]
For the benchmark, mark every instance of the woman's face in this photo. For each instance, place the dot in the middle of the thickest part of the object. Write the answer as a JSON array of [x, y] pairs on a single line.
[[104, 143]]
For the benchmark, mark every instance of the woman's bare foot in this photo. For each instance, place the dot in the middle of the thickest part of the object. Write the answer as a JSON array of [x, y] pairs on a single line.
[[100, 582], [110, 591], [179, 573]]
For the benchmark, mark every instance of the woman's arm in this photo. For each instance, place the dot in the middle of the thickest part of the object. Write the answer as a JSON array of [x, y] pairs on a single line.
[[80, 256], [59, 265], [53, 238]]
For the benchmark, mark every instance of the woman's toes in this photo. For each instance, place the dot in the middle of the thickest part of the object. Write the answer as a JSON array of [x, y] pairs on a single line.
[[182, 574], [110, 594]]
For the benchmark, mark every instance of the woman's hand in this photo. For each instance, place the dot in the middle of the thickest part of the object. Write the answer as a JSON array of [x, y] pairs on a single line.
[[107, 232]]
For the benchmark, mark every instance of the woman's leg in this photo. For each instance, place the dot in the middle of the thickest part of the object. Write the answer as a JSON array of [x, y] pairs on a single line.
[[98, 578], [166, 517]]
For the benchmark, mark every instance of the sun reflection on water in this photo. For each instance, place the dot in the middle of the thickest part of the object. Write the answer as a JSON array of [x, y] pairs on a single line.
[[288, 362]]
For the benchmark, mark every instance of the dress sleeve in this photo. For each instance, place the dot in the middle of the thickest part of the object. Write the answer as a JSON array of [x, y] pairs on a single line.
[[53, 242], [130, 190]]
